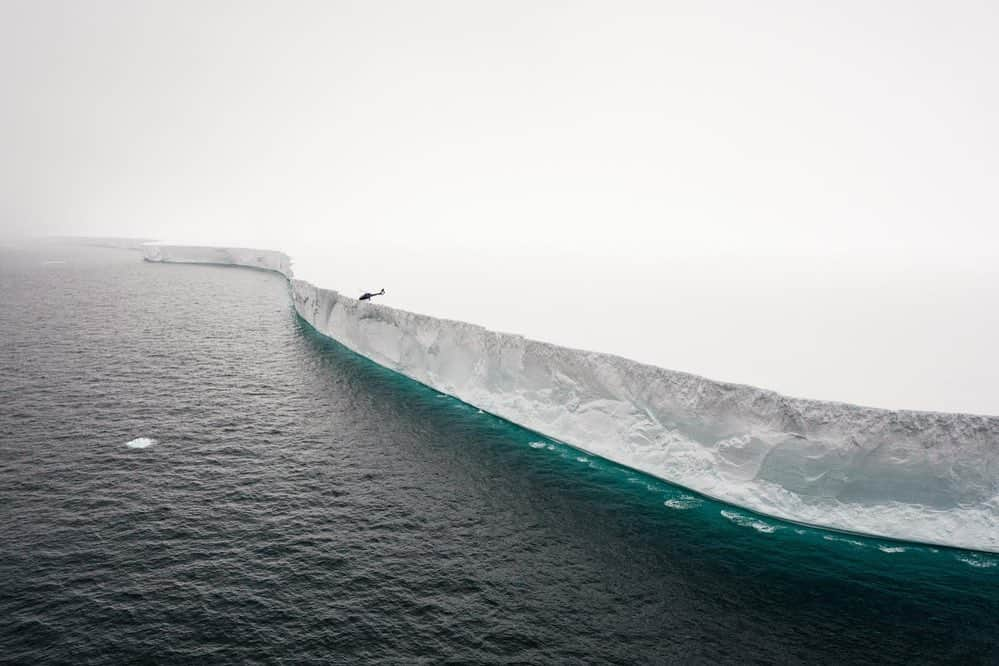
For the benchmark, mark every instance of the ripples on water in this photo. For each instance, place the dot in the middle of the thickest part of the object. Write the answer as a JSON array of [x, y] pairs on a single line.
[[189, 474]]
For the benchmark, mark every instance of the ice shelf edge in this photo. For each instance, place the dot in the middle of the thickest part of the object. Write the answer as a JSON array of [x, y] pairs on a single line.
[[919, 476]]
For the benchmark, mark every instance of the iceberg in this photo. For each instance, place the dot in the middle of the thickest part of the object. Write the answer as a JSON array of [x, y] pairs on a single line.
[[928, 477]]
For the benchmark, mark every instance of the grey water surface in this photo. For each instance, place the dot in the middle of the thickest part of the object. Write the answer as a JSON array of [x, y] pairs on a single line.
[[189, 474]]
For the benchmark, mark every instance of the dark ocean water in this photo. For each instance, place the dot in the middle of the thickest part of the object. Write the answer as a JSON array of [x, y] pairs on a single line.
[[303, 505]]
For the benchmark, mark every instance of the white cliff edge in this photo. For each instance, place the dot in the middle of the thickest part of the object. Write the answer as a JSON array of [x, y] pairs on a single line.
[[919, 476]]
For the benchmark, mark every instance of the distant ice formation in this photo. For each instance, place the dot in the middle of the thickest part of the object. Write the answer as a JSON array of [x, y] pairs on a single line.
[[140, 443], [921, 476], [267, 260]]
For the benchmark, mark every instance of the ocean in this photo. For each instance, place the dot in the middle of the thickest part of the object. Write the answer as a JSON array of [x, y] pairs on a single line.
[[190, 474]]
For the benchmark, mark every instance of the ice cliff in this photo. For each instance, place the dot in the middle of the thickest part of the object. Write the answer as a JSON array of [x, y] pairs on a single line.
[[921, 476], [267, 260]]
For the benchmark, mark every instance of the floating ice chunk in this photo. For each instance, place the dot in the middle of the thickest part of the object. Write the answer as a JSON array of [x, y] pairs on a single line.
[[977, 561], [852, 542], [683, 502], [748, 521], [140, 443]]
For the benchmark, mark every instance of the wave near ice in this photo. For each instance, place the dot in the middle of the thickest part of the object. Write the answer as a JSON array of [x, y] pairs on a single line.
[[921, 476]]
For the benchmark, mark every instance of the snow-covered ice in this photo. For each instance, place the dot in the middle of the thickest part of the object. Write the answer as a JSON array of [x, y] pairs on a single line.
[[923, 476]]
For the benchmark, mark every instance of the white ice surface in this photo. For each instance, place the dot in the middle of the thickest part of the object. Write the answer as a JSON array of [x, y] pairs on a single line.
[[881, 331], [922, 476]]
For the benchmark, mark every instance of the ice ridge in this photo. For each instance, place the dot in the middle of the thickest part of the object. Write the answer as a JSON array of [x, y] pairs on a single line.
[[920, 476]]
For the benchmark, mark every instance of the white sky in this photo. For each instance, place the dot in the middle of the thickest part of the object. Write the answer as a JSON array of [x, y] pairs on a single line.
[[784, 194]]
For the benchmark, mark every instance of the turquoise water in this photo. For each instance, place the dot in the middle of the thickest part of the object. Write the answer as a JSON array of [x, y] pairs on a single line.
[[773, 536], [702, 509], [926, 590]]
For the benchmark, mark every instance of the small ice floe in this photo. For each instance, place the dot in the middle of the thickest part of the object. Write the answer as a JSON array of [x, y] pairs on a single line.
[[852, 542], [683, 502], [538, 445], [977, 561], [748, 521], [140, 443]]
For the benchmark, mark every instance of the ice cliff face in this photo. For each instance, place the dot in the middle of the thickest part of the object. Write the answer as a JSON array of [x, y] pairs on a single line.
[[921, 476], [267, 260]]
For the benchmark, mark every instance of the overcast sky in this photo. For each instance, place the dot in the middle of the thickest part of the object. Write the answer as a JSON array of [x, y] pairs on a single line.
[[477, 152]]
